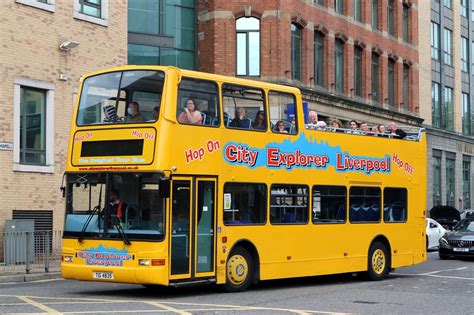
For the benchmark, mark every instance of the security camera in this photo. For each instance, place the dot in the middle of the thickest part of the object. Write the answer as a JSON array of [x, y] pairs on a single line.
[[68, 45]]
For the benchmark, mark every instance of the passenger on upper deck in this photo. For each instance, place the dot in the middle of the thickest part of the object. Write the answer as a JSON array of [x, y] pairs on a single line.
[[396, 133], [190, 114], [241, 120], [280, 127], [354, 127], [134, 115], [364, 128], [259, 122], [336, 125], [313, 122], [381, 130]]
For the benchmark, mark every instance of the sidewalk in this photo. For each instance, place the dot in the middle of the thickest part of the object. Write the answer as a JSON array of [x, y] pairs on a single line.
[[15, 277]]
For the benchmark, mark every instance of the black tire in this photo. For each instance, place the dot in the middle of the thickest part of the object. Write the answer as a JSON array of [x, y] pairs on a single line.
[[427, 244], [443, 257], [378, 262], [239, 270]]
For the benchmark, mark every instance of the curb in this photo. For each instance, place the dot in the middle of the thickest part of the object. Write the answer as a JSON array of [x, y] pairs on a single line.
[[29, 277]]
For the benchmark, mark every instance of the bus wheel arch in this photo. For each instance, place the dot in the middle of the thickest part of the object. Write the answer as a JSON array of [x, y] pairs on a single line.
[[238, 254], [379, 258]]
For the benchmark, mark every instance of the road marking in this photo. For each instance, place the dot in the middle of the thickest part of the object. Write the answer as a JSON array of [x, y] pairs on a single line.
[[162, 304], [38, 305], [438, 271], [168, 308], [435, 276]]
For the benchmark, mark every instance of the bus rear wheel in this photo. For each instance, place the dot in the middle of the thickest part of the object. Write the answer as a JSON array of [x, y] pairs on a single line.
[[378, 261], [239, 270]]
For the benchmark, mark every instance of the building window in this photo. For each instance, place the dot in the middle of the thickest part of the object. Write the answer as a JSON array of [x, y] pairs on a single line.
[[436, 180], [391, 17], [319, 59], [447, 4], [296, 52], [90, 7], [339, 6], [339, 65], [466, 114], [464, 8], [161, 33], [447, 117], [406, 88], [391, 82], [358, 71], [47, 5], [34, 127], [320, 2], [436, 104], [289, 204], [245, 203], [406, 14], [375, 14], [329, 204], [466, 182], [464, 54], [450, 181], [447, 47], [358, 10], [248, 46], [435, 40], [375, 78], [94, 11]]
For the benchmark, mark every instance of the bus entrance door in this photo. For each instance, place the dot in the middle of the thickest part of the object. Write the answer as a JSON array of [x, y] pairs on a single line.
[[193, 228]]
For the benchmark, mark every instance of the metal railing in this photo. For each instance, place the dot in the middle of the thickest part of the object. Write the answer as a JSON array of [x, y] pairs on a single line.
[[30, 251]]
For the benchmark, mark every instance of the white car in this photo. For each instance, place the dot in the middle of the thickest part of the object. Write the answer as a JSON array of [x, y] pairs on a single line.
[[434, 231]]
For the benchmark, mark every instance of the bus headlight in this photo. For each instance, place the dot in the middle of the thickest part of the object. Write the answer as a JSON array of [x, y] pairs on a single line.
[[144, 262], [67, 259]]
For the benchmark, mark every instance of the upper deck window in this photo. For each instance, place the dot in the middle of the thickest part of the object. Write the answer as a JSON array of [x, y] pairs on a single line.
[[244, 107], [121, 97], [198, 102]]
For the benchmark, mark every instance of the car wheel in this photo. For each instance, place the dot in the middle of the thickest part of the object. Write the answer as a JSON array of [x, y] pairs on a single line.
[[239, 270], [378, 264], [443, 257]]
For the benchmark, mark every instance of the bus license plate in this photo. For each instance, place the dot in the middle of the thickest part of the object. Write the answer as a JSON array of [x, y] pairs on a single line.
[[103, 275], [464, 250]]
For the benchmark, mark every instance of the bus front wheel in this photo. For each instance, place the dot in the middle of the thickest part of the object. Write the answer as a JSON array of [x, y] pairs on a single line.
[[378, 261], [239, 270]]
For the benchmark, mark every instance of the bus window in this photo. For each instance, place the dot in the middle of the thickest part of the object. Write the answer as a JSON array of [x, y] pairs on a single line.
[[198, 102], [244, 107], [289, 204], [104, 97], [282, 112], [245, 203], [395, 204], [329, 204], [364, 204]]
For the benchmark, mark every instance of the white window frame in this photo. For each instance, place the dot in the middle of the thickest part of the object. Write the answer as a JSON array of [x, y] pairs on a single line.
[[49, 88], [104, 13], [50, 5]]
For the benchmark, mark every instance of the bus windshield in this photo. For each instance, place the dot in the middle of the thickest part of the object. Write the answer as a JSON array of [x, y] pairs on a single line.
[[106, 98], [105, 204]]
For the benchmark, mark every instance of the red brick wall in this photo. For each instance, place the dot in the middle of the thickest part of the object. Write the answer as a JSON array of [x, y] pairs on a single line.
[[216, 49]]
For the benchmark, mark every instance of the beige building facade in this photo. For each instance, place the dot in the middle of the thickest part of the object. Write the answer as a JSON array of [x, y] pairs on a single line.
[[446, 62], [45, 47]]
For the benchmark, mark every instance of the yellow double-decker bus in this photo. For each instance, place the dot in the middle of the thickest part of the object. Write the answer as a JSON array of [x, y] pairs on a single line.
[[178, 177]]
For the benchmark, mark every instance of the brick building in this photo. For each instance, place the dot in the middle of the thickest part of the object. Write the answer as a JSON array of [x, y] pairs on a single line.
[[38, 82], [351, 59]]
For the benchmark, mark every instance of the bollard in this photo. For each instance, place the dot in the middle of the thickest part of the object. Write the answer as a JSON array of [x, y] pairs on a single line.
[[46, 256]]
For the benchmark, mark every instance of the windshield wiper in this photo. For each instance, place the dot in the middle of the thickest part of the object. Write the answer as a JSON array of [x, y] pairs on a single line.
[[91, 215], [116, 222]]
